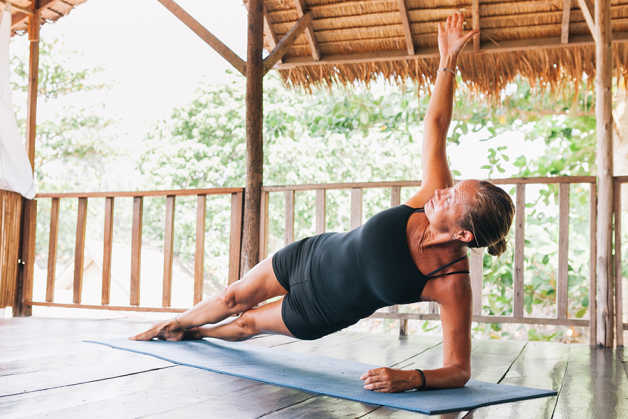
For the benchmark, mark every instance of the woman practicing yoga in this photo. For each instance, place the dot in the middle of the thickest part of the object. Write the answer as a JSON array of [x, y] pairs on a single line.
[[330, 281]]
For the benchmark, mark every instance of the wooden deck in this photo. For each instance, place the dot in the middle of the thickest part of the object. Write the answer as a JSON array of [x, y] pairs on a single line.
[[46, 371]]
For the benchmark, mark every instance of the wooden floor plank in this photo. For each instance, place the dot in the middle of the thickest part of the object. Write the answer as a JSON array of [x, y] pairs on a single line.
[[591, 372], [540, 365], [490, 360]]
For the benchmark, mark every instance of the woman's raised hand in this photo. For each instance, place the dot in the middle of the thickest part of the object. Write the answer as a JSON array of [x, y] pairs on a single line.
[[451, 39]]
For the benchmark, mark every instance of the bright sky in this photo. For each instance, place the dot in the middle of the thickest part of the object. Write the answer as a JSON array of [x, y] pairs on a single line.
[[154, 60]]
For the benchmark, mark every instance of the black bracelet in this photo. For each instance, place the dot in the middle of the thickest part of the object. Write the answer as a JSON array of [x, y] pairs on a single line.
[[424, 384]]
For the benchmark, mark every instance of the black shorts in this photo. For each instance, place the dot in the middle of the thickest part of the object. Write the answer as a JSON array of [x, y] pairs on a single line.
[[299, 310]]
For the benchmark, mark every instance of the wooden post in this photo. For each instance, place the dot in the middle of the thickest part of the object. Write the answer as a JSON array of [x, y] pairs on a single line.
[[520, 220], [166, 288], [136, 250], [52, 249], [79, 249], [199, 255], [254, 146], [235, 237], [604, 160], [619, 311], [24, 284], [106, 252]]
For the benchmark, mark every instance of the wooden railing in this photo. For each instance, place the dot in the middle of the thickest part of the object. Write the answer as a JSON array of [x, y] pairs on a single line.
[[136, 245], [355, 219], [620, 326], [476, 255]]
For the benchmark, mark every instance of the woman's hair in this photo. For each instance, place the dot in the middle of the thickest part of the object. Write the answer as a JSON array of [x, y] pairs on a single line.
[[489, 218]]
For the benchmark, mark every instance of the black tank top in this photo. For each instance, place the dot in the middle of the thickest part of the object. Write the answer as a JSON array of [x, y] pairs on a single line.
[[355, 273]]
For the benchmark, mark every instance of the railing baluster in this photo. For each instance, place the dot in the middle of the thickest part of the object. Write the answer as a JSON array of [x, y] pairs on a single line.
[[321, 202], [136, 250], [235, 236], [79, 249], [476, 269], [106, 253], [199, 256], [563, 251], [619, 319], [166, 291], [520, 219], [52, 249], [356, 207], [289, 217], [395, 200], [395, 196], [263, 230], [593, 264]]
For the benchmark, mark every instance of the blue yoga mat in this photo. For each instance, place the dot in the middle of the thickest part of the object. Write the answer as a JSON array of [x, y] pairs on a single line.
[[319, 374]]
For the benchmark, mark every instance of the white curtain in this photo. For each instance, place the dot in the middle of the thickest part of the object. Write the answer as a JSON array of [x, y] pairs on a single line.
[[15, 169]]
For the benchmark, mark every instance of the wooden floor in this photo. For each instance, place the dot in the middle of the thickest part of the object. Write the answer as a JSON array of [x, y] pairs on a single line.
[[46, 371]]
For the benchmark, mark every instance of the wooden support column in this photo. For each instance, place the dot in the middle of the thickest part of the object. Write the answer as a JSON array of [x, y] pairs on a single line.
[[604, 160], [24, 285], [254, 145]]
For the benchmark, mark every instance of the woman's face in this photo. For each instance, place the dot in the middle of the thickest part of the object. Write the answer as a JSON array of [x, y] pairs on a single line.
[[445, 209]]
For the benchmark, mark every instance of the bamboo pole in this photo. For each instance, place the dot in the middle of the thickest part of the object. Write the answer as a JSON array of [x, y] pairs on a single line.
[[24, 285], [604, 160], [254, 146]]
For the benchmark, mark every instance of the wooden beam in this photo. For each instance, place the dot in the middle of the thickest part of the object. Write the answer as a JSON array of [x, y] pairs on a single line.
[[254, 145], [405, 22], [106, 251], [563, 251], [17, 7], [79, 250], [356, 207], [475, 13], [564, 29], [584, 7], [286, 42], [520, 219], [476, 269], [269, 28], [199, 256], [263, 230], [619, 318], [235, 237], [19, 18], [489, 48], [24, 285], [309, 32], [136, 251], [592, 264], [321, 204], [604, 162], [52, 249], [288, 236], [166, 288], [205, 35]]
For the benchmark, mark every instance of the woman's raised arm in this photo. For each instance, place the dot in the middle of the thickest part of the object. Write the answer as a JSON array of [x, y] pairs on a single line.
[[436, 173]]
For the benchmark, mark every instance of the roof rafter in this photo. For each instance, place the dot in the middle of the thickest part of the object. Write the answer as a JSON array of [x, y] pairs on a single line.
[[403, 11], [309, 32], [475, 16], [564, 29], [268, 28], [19, 18], [396, 55], [587, 17], [205, 35], [286, 42]]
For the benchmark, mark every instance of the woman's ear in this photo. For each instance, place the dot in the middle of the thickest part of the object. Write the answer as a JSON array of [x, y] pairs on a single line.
[[464, 236]]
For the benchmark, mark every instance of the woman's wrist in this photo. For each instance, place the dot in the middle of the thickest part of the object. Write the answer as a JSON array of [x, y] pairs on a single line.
[[448, 61]]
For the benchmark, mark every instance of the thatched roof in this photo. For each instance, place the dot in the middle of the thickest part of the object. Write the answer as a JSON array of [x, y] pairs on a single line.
[[358, 41], [51, 11]]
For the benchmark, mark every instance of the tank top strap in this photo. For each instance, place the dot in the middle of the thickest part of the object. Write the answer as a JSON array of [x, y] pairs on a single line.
[[418, 210], [446, 266]]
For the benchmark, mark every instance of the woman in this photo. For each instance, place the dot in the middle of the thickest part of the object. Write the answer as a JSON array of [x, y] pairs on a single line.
[[330, 281]]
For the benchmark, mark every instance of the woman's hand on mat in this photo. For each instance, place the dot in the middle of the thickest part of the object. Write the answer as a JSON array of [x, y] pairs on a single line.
[[388, 380], [451, 39], [169, 330]]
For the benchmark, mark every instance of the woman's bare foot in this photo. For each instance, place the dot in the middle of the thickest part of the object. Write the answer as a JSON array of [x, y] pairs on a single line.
[[169, 330]]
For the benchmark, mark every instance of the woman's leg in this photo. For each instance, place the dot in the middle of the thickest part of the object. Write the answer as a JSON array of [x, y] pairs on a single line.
[[266, 318], [259, 284]]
